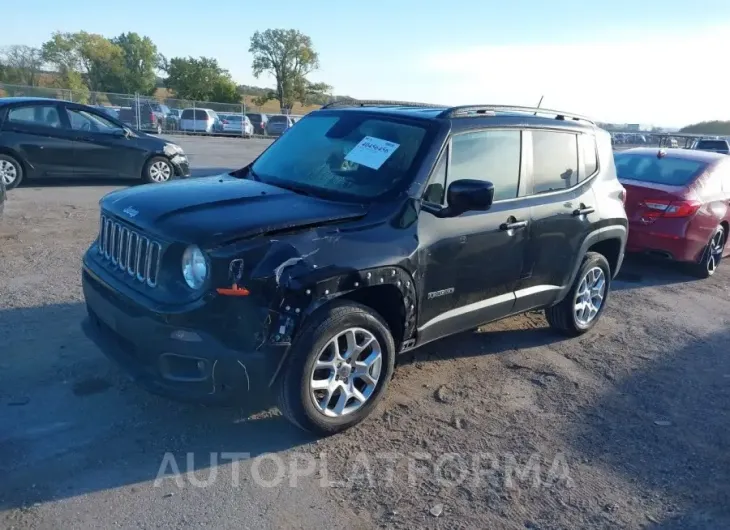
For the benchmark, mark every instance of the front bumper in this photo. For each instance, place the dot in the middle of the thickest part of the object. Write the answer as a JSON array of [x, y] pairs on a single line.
[[181, 165], [179, 363]]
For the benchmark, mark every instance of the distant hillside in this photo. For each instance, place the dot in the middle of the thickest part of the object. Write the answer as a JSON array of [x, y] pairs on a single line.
[[715, 128], [271, 106]]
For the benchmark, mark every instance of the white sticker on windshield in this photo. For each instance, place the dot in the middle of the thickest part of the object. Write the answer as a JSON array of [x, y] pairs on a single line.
[[372, 152]]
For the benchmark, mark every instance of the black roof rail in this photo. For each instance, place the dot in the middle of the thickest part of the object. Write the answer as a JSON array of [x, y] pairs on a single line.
[[466, 110], [378, 103]]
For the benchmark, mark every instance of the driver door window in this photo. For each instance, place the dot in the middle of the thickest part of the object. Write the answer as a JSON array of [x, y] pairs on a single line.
[[492, 155], [82, 120]]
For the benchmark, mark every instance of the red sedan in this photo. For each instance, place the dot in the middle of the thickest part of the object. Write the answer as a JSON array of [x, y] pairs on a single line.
[[677, 203]]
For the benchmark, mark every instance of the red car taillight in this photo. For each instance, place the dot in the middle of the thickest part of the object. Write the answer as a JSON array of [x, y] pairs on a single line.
[[224, 122], [655, 209]]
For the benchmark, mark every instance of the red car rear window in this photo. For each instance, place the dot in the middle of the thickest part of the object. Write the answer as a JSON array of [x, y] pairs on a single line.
[[649, 168]]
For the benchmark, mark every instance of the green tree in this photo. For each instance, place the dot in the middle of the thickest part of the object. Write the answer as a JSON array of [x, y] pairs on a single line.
[[96, 58], [140, 61], [21, 65], [289, 57], [225, 91], [200, 79]]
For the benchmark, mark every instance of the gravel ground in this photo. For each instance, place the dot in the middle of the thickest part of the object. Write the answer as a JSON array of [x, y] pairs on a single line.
[[508, 427]]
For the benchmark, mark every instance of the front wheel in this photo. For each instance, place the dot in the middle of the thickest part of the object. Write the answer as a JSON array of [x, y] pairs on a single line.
[[338, 370], [11, 171], [579, 311], [712, 254], [158, 170]]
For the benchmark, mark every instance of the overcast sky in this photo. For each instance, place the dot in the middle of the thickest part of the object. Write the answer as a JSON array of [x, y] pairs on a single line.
[[663, 63]]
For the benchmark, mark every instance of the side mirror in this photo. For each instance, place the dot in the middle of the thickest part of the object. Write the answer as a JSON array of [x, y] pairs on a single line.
[[467, 195]]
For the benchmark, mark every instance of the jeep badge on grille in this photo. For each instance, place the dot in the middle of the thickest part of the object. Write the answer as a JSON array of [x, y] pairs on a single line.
[[131, 211]]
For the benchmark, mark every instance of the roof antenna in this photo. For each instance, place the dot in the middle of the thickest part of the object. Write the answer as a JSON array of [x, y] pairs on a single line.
[[539, 103]]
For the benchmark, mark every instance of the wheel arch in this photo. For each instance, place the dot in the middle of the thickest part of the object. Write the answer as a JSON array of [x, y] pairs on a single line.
[[149, 158], [607, 239], [388, 291], [17, 156]]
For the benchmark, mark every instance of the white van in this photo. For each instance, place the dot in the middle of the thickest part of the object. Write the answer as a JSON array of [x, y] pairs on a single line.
[[199, 120]]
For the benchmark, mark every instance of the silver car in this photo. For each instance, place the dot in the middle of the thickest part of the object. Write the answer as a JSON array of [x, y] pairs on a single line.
[[278, 124], [199, 120], [236, 124]]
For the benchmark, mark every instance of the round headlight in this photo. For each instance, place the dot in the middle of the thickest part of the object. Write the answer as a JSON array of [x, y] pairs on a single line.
[[194, 267]]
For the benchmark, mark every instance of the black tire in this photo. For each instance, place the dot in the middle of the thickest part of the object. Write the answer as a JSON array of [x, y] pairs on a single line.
[[154, 163], [17, 166], [294, 383], [562, 317], [711, 255]]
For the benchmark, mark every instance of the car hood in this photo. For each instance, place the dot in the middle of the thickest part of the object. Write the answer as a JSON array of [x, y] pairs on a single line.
[[216, 210]]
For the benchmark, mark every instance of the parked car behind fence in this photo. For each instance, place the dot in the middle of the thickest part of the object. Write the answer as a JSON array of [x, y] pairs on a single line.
[[259, 122], [199, 121], [236, 124], [278, 124]]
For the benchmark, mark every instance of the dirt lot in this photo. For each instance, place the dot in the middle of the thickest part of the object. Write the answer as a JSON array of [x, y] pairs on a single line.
[[510, 427]]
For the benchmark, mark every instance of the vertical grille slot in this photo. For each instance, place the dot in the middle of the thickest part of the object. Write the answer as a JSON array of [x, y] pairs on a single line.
[[130, 251]]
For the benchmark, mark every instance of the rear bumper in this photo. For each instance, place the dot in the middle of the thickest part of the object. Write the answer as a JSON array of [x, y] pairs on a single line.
[[646, 239], [180, 363]]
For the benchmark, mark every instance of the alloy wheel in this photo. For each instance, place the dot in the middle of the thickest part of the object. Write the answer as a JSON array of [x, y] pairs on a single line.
[[8, 172], [346, 372], [589, 296], [716, 246], [160, 171]]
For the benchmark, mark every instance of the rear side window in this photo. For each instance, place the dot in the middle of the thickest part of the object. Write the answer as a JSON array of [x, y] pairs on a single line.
[[554, 161], [187, 114], [492, 156], [43, 115], [590, 158], [649, 168]]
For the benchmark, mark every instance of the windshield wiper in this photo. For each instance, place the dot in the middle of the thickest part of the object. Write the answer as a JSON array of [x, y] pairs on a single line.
[[295, 189]]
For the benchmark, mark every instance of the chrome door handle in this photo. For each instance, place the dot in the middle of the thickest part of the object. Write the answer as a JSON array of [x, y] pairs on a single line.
[[514, 225], [584, 210]]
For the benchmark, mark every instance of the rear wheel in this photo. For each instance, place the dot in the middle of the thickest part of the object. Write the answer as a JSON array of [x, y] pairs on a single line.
[[158, 170], [339, 369], [579, 311], [11, 171], [712, 254]]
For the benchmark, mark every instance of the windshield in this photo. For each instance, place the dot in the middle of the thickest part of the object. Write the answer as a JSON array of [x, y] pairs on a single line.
[[666, 170], [344, 154]]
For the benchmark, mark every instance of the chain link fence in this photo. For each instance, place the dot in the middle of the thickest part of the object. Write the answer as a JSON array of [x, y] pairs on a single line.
[[158, 114]]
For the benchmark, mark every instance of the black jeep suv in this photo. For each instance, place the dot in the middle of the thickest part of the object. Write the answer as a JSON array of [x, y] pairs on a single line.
[[369, 229]]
